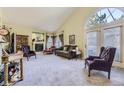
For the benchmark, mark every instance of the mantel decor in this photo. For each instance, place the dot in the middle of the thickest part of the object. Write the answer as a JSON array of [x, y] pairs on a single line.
[[3, 33], [71, 39]]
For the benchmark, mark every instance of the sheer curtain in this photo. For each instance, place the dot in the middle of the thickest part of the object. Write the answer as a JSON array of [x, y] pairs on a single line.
[[61, 39], [54, 39], [49, 42], [58, 42], [46, 40]]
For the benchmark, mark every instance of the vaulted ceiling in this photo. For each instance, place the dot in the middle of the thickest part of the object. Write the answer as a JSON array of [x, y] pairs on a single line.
[[45, 18]]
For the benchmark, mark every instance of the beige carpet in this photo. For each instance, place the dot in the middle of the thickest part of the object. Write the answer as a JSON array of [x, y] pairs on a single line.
[[51, 70]]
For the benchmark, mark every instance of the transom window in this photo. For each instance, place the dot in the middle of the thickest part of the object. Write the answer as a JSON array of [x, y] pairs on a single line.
[[105, 15]]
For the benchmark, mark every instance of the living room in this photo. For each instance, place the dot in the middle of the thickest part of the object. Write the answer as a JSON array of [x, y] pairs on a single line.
[[60, 41]]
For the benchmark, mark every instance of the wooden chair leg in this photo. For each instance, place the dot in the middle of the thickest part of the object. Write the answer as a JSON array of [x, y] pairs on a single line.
[[89, 73], [85, 65], [27, 58], [109, 74]]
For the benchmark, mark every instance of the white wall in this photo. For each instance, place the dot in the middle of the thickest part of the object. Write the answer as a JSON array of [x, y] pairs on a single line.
[[76, 25]]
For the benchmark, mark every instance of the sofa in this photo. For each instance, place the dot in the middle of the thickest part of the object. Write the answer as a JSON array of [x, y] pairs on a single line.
[[49, 51], [67, 51]]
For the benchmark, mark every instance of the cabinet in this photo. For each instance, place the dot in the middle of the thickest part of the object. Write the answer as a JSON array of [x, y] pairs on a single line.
[[21, 40]]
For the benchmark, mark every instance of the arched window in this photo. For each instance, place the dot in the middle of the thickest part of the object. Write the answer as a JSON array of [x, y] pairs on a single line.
[[104, 28], [105, 15]]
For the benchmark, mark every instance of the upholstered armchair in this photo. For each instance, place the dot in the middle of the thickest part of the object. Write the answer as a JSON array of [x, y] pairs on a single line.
[[27, 52], [103, 62], [50, 50]]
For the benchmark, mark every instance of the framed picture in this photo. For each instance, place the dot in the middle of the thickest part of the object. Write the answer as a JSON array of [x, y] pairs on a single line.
[[71, 39]]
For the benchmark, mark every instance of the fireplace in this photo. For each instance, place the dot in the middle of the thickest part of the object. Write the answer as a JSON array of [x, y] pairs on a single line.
[[39, 47]]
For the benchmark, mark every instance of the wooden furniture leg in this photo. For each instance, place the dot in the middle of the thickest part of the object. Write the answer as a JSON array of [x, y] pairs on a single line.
[[89, 73], [109, 75], [21, 69], [6, 74]]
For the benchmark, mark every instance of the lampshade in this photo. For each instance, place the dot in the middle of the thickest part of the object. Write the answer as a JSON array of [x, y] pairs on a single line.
[[3, 32]]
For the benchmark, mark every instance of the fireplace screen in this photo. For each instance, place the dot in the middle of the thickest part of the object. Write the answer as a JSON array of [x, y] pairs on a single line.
[[38, 47]]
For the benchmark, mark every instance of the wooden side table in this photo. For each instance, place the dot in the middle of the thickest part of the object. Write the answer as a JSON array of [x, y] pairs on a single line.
[[78, 55]]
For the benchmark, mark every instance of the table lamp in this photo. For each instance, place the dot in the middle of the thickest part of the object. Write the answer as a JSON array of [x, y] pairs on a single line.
[[3, 32]]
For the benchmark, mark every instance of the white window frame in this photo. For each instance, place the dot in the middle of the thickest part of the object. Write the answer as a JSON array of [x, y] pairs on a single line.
[[100, 36], [97, 43], [121, 40], [100, 9]]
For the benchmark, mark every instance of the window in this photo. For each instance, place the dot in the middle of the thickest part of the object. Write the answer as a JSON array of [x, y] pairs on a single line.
[[58, 42], [110, 21], [91, 43], [49, 42], [112, 38], [105, 15]]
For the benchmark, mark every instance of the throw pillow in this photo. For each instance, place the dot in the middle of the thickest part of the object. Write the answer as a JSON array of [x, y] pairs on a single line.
[[105, 53], [65, 48], [70, 49]]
